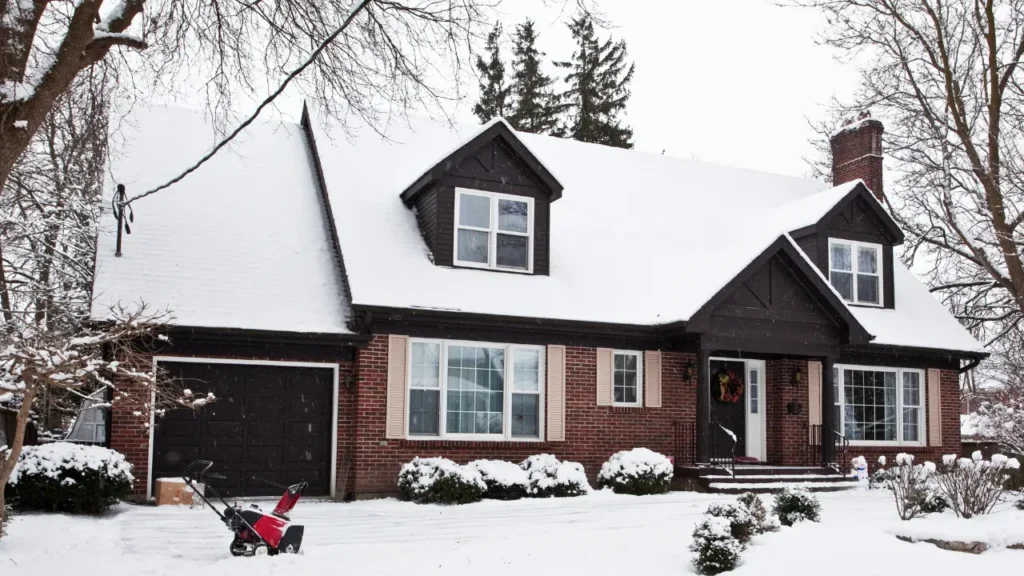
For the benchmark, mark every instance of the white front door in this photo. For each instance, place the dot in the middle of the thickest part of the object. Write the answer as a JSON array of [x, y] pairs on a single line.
[[755, 409]]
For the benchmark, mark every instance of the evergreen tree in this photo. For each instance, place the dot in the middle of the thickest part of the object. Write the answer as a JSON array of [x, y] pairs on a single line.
[[493, 91], [597, 88], [536, 104]]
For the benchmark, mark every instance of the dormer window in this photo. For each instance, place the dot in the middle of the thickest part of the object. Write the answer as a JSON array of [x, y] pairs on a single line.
[[855, 270], [493, 230]]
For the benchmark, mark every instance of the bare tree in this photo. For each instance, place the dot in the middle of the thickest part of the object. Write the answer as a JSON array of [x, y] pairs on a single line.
[[945, 76]]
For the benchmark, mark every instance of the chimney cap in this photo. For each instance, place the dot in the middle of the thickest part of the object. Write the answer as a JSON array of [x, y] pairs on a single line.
[[856, 122]]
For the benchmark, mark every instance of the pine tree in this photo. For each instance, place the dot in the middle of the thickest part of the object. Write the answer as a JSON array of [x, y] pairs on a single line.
[[493, 91], [598, 88], [536, 104]]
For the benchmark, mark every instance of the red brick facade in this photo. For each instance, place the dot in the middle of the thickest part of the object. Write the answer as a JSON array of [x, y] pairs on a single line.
[[368, 463]]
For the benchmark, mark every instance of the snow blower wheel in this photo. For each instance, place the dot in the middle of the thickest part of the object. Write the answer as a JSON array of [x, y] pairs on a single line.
[[256, 532]]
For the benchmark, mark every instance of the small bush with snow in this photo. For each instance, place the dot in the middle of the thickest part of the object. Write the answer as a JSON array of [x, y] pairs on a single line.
[[504, 480], [763, 521], [794, 505], [742, 525], [638, 471], [973, 486], [440, 481], [548, 477], [715, 549], [70, 478], [911, 486]]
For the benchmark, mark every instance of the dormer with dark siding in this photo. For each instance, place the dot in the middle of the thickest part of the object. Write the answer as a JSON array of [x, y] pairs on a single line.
[[494, 162]]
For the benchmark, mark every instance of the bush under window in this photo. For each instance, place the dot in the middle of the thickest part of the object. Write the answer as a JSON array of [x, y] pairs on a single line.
[[715, 549], [973, 486], [504, 480], [440, 481], [549, 477], [638, 471], [794, 505], [69, 478]]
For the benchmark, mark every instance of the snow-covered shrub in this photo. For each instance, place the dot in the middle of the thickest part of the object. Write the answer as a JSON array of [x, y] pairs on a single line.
[[909, 484], [973, 486], [714, 547], [638, 471], [65, 477], [763, 521], [550, 477], [934, 502], [440, 481], [504, 480], [741, 524], [5, 520], [794, 505], [1020, 504]]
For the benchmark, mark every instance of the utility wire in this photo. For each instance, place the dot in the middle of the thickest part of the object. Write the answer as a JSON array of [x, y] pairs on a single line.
[[252, 118]]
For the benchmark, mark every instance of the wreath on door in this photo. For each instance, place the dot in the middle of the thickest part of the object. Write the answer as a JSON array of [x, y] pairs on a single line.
[[728, 388]]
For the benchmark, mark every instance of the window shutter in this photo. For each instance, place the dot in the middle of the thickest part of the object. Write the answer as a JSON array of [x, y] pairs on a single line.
[[394, 420], [556, 393], [813, 398], [934, 399], [604, 376], [652, 379]]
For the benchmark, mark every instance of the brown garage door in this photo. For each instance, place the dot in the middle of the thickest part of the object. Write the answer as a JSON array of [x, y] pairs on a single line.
[[268, 422]]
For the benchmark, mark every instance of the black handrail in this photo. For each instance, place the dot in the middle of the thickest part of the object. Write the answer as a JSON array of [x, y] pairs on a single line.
[[722, 444], [840, 446]]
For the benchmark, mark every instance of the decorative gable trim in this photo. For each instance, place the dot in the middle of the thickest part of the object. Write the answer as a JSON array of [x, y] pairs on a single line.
[[867, 199], [496, 129]]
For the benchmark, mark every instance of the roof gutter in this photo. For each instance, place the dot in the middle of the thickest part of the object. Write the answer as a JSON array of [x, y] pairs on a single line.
[[970, 365]]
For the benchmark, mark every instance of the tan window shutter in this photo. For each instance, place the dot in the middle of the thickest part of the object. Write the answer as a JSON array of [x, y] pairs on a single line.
[[604, 376], [556, 394], [934, 399], [813, 397], [652, 379], [398, 352]]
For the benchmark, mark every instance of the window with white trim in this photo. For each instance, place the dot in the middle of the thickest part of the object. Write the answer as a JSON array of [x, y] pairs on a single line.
[[880, 405], [493, 230], [471, 390], [627, 378], [855, 271]]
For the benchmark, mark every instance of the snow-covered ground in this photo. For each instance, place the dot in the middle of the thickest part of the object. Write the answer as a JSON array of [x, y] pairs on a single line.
[[598, 534]]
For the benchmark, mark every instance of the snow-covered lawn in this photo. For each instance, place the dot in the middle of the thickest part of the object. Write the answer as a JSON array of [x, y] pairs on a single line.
[[598, 534]]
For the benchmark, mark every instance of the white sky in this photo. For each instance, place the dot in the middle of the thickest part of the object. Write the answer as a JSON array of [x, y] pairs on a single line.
[[728, 81]]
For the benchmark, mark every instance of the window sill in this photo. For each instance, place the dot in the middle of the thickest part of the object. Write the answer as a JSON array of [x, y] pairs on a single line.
[[470, 266], [886, 444]]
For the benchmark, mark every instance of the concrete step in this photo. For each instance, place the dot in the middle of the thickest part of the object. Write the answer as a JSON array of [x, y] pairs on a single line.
[[763, 483]]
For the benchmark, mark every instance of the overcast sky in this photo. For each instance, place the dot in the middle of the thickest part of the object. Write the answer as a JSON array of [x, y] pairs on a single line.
[[729, 81]]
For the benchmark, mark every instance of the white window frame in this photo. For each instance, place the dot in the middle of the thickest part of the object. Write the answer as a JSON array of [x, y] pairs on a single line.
[[506, 426], [854, 246], [639, 377], [492, 240], [840, 401]]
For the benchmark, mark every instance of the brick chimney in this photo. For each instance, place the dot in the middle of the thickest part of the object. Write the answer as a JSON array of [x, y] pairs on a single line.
[[857, 153]]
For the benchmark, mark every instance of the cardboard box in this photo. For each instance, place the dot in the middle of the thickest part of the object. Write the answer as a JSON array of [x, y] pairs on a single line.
[[174, 491]]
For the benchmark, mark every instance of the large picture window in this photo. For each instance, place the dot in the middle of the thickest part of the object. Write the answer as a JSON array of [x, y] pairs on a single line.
[[475, 391], [880, 405], [855, 271], [493, 230]]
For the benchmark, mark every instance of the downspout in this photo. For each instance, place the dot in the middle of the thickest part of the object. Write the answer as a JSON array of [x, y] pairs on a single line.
[[970, 366]]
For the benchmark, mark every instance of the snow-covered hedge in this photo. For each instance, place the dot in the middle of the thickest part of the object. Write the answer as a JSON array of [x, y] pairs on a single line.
[[440, 481], [763, 521], [504, 480], [715, 549], [638, 471], [741, 524], [548, 477], [972, 486], [794, 505], [66, 477]]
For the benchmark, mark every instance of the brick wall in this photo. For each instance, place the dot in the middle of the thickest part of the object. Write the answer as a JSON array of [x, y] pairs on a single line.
[[787, 439], [593, 433]]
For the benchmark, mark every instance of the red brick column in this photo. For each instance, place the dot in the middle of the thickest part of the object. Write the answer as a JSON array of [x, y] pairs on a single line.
[[129, 430], [787, 434]]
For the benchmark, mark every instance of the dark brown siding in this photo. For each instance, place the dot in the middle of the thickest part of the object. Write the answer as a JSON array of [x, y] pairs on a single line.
[[426, 215], [491, 169]]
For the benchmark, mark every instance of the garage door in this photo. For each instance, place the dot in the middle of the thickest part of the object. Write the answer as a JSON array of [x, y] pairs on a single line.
[[269, 423]]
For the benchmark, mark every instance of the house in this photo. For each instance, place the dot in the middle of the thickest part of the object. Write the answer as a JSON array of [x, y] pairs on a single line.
[[354, 301]]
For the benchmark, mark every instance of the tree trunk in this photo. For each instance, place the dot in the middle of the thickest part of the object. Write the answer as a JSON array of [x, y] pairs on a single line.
[[7, 465]]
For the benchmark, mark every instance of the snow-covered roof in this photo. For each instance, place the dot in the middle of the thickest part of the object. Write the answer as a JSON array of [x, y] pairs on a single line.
[[636, 238], [241, 243]]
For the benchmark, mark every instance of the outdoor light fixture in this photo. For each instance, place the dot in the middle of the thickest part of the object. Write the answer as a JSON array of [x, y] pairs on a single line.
[[797, 378], [688, 371], [793, 407]]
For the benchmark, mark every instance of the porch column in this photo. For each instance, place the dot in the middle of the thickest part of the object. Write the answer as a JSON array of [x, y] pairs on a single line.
[[703, 407], [828, 445]]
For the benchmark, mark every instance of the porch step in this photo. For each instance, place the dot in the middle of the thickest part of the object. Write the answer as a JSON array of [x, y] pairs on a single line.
[[763, 479]]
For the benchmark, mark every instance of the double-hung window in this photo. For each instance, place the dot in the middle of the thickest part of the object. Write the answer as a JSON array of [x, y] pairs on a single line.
[[472, 390], [855, 270], [493, 230], [627, 378], [880, 405]]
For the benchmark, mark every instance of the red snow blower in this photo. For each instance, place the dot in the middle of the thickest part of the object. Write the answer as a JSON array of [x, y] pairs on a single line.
[[256, 532]]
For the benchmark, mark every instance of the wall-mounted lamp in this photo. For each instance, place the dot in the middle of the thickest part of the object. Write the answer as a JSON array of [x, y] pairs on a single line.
[[689, 371], [793, 407], [797, 378]]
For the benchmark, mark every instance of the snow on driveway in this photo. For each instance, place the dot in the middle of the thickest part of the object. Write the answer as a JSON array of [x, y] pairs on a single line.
[[598, 534]]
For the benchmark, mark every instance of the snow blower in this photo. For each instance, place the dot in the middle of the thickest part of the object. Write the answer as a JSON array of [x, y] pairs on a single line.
[[256, 532]]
